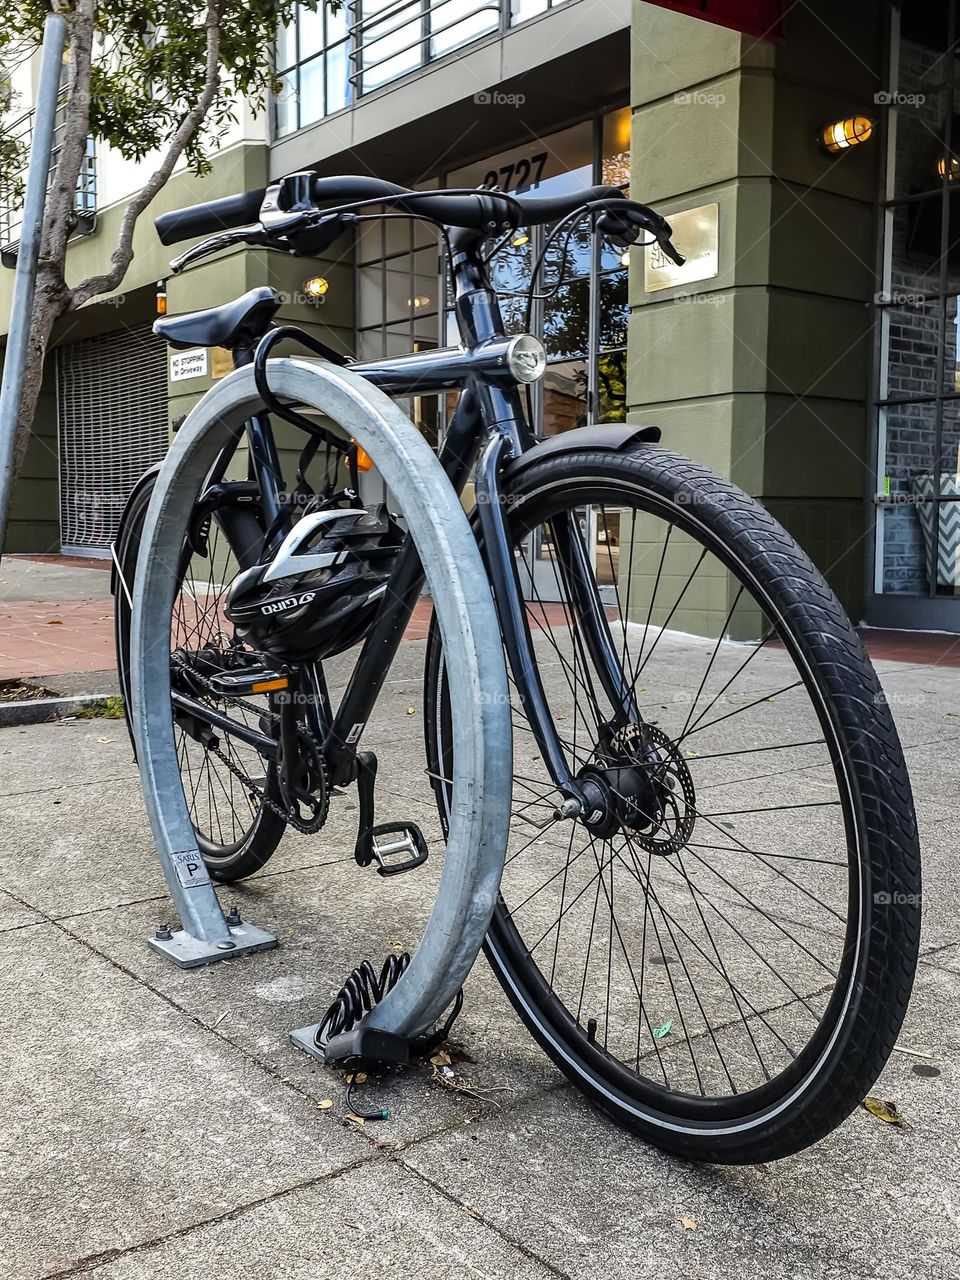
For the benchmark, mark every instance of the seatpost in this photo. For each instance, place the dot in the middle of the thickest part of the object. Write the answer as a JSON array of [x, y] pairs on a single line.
[[263, 461]]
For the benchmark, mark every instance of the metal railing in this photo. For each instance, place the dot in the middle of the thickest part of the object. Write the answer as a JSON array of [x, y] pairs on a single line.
[[11, 192], [383, 40], [395, 40]]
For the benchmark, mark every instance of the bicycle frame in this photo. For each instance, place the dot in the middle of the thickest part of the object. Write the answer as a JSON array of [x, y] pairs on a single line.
[[489, 420]]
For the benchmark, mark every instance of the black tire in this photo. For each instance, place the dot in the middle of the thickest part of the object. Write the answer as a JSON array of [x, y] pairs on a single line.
[[226, 860], [876, 948]]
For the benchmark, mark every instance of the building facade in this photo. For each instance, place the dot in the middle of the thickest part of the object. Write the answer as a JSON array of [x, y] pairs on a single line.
[[808, 350]]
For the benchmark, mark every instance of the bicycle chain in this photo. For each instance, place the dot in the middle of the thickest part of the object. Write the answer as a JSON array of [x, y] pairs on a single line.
[[292, 818]]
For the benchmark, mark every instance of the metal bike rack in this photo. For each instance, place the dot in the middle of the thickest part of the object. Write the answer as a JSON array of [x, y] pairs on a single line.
[[482, 772]]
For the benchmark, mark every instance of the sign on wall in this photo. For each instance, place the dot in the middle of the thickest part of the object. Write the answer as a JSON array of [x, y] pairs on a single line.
[[696, 235], [188, 364]]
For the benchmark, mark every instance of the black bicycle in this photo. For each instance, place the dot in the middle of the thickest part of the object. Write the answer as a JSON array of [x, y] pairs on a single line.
[[709, 913]]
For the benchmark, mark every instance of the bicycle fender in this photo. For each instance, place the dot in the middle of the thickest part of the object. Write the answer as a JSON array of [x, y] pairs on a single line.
[[147, 479], [608, 435]]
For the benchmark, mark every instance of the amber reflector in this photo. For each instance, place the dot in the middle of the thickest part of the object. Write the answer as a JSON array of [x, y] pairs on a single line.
[[363, 460], [269, 686]]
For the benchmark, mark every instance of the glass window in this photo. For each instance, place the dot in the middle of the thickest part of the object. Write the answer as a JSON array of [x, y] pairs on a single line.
[[370, 43], [615, 149], [456, 22], [310, 92], [918, 483], [314, 69], [338, 81]]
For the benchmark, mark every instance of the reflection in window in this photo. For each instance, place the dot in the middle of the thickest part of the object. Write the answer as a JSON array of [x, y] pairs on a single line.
[[564, 397], [566, 324]]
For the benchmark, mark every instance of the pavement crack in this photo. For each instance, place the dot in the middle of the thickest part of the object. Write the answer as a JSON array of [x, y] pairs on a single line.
[[107, 1256], [505, 1236]]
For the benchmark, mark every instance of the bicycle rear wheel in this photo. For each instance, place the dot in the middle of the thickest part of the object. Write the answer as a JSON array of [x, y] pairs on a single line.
[[723, 963], [238, 827]]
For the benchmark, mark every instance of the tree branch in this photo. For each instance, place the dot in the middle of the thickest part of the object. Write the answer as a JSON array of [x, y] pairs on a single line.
[[122, 256], [60, 210]]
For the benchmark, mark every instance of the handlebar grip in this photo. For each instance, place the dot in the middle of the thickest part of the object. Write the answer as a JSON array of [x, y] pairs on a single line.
[[207, 219]]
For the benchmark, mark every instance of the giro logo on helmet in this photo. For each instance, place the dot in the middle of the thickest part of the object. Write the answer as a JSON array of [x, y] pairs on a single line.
[[288, 602]]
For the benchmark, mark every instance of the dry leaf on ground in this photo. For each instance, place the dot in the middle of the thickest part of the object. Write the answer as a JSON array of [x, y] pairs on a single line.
[[883, 1109]]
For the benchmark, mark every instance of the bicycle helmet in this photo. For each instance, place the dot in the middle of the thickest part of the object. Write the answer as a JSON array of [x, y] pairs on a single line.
[[319, 594]]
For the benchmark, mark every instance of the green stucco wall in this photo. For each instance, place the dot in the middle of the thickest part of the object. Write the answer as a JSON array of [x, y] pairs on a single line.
[[763, 372]]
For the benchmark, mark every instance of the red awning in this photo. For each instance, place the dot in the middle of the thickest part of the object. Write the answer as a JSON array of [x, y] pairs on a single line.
[[762, 18]]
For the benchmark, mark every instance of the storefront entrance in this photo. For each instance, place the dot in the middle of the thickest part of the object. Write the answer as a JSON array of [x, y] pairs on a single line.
[[917, 550]]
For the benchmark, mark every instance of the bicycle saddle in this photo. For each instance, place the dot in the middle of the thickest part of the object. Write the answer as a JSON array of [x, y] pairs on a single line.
[[237, 323]]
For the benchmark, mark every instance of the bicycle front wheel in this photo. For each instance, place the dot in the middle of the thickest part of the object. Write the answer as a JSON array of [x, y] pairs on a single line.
[[723, 963]]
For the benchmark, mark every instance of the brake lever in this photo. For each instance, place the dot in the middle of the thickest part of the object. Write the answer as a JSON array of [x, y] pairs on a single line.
[[252, 234]]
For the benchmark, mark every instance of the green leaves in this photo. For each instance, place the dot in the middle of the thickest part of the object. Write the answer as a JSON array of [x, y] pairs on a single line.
[[149, 68]]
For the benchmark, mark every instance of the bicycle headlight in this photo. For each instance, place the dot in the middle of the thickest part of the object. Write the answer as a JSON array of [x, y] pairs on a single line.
[[526, 358]]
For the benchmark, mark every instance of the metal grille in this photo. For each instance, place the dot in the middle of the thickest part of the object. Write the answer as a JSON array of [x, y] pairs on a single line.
[[112, 409]]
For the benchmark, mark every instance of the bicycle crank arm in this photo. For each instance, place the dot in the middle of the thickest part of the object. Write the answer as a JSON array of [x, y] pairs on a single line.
[[391, 856], [200, 713]]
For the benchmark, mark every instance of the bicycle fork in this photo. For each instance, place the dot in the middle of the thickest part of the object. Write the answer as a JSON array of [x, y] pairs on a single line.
[[580, 584]]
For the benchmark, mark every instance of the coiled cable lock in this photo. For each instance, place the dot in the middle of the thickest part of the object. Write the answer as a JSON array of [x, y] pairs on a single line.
[[342, 1037]]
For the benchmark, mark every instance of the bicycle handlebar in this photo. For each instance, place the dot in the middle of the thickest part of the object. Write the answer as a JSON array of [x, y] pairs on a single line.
[[479, 210]]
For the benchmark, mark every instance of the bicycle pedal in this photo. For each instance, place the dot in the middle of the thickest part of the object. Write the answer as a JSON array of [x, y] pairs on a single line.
[[395, 856], [238, 684]]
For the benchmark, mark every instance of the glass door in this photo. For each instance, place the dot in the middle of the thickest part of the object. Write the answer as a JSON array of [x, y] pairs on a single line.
[[917, 569]]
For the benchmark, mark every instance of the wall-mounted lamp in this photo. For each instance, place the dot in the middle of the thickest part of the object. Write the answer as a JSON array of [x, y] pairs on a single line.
[[419, 302], [842, 134], [948, 167], [315, 290], [625, 258]]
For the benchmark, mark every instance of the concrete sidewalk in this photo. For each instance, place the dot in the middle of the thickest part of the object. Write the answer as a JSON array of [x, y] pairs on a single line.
[[157, 1123], [56, 620]]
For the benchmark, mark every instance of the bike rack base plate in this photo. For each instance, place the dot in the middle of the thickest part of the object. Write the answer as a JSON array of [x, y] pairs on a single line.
[[189, 952], [305, 1038]]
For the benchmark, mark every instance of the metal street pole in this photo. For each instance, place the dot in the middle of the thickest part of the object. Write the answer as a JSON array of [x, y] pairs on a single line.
[[38, 172]]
